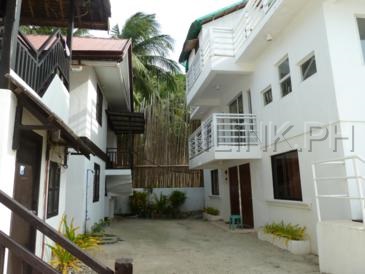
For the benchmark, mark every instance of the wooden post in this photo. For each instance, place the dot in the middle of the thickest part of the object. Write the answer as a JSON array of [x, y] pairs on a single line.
[[124, 266], [2, 258], [11, 27]]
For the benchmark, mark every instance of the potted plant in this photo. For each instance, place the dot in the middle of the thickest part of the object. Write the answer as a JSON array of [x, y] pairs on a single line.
[[286, 236], [211, 214]]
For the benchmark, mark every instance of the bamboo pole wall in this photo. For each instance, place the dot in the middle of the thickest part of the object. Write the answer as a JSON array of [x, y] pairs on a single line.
[[161, 157]]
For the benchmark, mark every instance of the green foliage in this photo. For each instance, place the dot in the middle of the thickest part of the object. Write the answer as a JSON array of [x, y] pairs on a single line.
[[138, 203], [212, 211], [161, 206], [177, 199], [62, 260], [149, 55], [99, 227], [287, 231]]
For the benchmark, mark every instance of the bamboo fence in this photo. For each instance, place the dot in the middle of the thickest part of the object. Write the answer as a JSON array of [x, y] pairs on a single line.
[[161, 157]]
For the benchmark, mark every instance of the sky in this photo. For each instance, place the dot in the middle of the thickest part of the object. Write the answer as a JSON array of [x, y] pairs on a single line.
[[174, 16]]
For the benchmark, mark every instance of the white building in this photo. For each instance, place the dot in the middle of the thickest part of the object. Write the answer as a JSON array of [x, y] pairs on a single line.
[[61, 112], [278, 85]]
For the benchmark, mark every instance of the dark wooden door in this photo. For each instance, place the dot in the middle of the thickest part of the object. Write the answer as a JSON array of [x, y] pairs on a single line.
[[233, 191], [26, 191], [246, 196]]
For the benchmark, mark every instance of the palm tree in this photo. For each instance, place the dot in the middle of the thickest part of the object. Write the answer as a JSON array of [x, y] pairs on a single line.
[[150, 48]]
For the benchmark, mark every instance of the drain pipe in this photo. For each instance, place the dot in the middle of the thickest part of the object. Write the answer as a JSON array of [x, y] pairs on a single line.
[[86, 201]]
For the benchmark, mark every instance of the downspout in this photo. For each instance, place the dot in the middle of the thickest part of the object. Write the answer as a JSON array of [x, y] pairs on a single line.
[[86, 201]]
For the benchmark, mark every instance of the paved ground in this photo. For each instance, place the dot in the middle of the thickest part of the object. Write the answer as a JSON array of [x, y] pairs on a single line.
[[194, 246]]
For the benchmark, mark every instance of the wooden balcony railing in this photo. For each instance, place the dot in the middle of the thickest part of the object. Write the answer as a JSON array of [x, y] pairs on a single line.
[[122, 266], [37, 67], [119, 159]]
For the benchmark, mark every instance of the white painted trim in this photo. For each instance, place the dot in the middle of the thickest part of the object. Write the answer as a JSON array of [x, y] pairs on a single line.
[[290, 204]]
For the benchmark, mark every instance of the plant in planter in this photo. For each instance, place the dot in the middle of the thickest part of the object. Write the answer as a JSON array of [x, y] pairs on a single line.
[[138, 203], [160, 206], [211, 214], [286, 236]]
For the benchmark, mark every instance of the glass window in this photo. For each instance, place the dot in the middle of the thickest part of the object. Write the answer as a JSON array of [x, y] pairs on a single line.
[[267, 94], [286, 176], [99, 106], [96, 193], [53, 190], [309, 68], [284, 76], [361, 25], [215, 182]]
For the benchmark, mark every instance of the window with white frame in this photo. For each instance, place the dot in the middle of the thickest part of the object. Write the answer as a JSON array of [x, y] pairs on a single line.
[[284, 76], [267, 96], [361, 25], [309, 67]]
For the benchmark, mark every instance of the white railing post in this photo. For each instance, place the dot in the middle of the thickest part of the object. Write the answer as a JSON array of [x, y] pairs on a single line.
[[265, 5], [214, 131], [360, 188], [316, 192]]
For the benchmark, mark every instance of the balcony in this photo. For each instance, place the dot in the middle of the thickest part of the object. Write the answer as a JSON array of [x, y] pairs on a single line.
[[224, 136], [36, 67], [233, 50], [119, 159]]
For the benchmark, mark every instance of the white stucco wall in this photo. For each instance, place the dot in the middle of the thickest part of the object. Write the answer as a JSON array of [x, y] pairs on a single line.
[[326, 98], [82, 120]]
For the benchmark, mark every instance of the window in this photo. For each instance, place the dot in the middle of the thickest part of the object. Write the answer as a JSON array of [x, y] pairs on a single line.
[[267, 94], [309, 68], [99, 106], [215, 182], [285, 80], [286, 176], [96, 193], [361, 25], [53, 190]]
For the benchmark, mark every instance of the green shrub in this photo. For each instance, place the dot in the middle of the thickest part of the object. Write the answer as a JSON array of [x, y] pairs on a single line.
[[287, 231], [138, 203], [160, 206], [99, 227], [177, 199], [212, 211]]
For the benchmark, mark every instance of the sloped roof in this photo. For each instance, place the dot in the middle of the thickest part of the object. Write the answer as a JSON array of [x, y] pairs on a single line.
[[90, 48], [196, 26]]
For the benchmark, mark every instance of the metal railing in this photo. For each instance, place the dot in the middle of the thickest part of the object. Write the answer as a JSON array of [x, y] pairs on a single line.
[[348, 164], [37, 67], [119, 159], [224, 130], [226, 41]]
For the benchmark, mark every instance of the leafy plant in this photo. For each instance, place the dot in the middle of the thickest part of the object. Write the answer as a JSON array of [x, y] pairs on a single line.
[[212, 211], [287, 231], [160, 206], [139, 203], [176, 199], [99, 227], [62, 260]]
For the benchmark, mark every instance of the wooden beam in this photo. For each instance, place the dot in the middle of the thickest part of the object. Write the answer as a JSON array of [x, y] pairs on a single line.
[[8, 51], [37, 127], [61, 9], [17, 123], [2, 258], [52, 233], [71, 26], [25, 255]]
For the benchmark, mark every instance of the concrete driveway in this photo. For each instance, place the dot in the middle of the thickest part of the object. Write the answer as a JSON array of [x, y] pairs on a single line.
[[194, 246]]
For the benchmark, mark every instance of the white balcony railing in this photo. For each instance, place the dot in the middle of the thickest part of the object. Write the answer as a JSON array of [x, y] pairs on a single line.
[[226, 42], [224, 130]]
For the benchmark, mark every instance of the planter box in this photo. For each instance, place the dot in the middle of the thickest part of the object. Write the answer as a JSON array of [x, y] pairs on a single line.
[[211, 218], [295, 247]]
